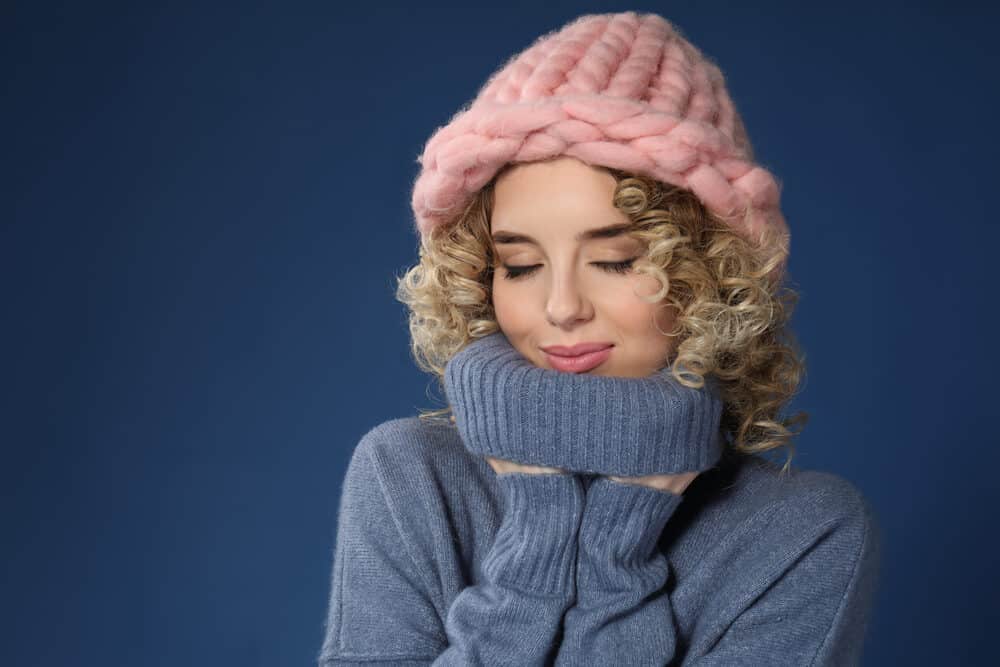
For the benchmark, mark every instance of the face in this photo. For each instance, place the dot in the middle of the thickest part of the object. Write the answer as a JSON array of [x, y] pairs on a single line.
[[553, 284]]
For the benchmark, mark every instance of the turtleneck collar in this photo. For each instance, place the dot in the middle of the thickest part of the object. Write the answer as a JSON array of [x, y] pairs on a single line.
[[508, 408]]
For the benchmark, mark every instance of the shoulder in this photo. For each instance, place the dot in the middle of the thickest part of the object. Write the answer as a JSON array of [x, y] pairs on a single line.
[[750, 484], [760, 544], [412, 483], [751, 502], [808, 497], [412, 444], [419, 466]]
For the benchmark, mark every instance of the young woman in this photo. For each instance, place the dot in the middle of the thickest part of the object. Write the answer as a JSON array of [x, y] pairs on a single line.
[[600, 293]]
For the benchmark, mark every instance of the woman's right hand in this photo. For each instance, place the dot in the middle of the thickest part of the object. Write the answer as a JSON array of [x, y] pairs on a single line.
[[501, 466]]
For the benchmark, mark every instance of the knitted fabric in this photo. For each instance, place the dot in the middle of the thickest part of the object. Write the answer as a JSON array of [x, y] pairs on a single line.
[[623, 90], [440, 561], [508, 408]]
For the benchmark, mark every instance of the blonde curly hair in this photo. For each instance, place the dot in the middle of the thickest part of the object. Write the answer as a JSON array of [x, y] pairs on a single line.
[[732, 310]]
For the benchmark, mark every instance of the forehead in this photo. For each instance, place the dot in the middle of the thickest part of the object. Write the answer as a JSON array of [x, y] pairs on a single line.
[[562, 197]]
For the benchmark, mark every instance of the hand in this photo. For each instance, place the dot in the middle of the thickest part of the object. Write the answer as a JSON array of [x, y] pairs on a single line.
[[673, 483], [501, 466]]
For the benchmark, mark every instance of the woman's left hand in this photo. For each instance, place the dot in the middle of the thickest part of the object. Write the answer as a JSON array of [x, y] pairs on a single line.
[[673, 483]]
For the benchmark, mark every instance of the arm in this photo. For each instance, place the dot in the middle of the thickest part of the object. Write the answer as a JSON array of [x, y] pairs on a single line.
[[812, 607], [514, 616], [382, 610], [621, 615], [809, 608]]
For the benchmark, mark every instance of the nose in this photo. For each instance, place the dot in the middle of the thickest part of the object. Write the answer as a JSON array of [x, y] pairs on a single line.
[[567, 303]]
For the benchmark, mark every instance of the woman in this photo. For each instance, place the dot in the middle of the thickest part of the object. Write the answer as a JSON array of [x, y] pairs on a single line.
[[599, 292]]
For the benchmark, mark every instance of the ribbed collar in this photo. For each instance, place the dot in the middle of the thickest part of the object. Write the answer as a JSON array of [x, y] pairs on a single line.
[[508, 408]]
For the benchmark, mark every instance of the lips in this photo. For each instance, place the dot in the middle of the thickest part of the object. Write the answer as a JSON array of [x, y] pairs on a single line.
[[578, 358], [575, 350]]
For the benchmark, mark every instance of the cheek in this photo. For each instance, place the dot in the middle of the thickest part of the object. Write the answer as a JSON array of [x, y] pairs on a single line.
[[505, 304], [634, 312], [634, 315], [645, 286]]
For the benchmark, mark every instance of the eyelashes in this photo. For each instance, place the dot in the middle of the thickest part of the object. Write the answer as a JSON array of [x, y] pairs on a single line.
[[515, 272]]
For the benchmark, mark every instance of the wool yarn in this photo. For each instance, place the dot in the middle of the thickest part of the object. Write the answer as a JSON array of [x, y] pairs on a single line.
[[624, 90]]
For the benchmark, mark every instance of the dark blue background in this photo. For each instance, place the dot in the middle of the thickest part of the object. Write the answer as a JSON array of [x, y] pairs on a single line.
[[205, 207]]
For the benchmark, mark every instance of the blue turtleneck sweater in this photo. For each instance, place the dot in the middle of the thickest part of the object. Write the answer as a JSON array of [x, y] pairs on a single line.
[[441, 561]]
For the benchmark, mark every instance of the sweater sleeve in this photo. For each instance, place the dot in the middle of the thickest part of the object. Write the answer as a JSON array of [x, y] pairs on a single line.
[[808, 605], [813, 603], [381, 607], [621, 614]]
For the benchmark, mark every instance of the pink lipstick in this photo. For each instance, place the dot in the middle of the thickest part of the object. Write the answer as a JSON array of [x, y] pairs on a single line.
[[578, 358]]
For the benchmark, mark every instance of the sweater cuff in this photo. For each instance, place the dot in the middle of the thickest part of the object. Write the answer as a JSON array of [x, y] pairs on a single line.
[[536, 545], [619, 532]]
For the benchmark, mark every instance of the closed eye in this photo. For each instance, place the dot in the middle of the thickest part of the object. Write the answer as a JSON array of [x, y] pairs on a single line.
[[515, 272]]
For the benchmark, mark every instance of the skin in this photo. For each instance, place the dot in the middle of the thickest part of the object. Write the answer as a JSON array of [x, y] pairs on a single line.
[[569, 297]]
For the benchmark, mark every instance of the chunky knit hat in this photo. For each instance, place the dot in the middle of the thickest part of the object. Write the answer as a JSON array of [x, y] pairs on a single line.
[[623, 90]]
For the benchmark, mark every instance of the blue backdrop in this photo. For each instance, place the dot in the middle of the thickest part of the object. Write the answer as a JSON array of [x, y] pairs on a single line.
[[205, 207]]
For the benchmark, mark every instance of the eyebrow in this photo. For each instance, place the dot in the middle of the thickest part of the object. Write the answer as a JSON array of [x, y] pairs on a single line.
[[610, 231]]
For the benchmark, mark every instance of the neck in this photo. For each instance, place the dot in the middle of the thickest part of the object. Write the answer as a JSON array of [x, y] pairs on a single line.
[[508, 408]]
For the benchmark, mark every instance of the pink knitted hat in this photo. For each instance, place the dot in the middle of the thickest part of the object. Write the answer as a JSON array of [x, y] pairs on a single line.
[[623, 90]]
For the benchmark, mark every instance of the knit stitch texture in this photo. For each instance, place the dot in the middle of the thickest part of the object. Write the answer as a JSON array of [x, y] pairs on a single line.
[[441, 561], [624, 90], [508, 408]]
